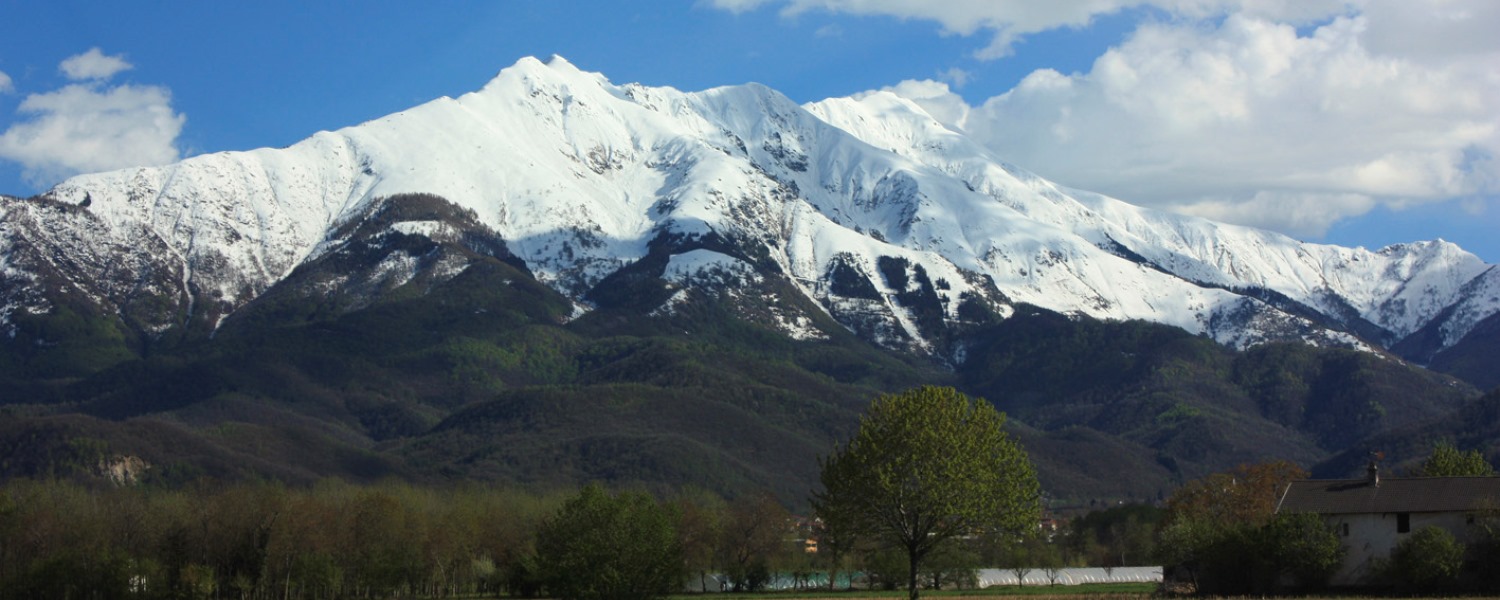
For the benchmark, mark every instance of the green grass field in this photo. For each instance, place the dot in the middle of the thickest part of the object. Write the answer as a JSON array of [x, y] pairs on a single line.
[[1096, 591]]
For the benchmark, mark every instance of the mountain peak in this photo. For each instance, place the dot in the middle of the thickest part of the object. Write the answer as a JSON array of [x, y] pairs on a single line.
[[507, 245], [556, 70], [555, 61], [854, 202]]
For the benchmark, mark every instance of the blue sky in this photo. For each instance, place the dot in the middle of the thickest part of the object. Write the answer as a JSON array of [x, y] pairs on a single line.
[[1351, 122]]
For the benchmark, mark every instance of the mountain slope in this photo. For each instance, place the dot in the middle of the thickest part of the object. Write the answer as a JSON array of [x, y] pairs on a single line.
[[558, 278], [484, 375], [1396, 290], [416, 345], [582, 178]]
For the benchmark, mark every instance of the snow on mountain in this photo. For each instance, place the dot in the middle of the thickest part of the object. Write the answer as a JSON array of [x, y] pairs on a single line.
[[889, 222], [1398, 288], [1479, 299]]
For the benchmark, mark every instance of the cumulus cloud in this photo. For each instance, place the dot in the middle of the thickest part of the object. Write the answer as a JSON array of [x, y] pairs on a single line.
[[6, 86], [936, 98], [956, 76], [737, 6], [92, 126], [1008, 21], [1247, 120], [1298, 214], [93, 64], [1430, 29], [1285, 114]]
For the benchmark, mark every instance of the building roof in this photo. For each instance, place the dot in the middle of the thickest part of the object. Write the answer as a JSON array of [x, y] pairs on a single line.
[[1391, 495]]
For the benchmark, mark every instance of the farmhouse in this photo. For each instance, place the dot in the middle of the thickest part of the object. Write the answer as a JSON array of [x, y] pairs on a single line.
[[1373, 514]]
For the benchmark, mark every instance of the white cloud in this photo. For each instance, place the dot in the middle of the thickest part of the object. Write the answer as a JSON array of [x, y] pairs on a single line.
[[1221, 108], [91, 126], [1298, 214], [85, 128], [93, 64], [1247, 121], [956, 76], [6, 86], [1432, 28], [936, 98], [1007, 21], [737, 6]]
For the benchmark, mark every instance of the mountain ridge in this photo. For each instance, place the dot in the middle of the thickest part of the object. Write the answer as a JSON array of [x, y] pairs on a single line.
[[856, 178], [515, 283]]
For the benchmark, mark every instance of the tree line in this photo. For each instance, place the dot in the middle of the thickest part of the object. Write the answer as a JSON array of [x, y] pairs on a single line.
[[928, 466], [929, 489], [70, 539], [87, 539]]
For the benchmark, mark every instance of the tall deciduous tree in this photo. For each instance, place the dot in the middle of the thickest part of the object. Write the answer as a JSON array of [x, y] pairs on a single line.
[[1448, 461], [1224, 529], [835, 547], [751, 536], [1245, 495], [700, 525], [926, 466], [607, 547]]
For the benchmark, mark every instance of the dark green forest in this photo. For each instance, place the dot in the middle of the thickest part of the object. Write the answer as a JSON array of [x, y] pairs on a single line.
[[411, 388]]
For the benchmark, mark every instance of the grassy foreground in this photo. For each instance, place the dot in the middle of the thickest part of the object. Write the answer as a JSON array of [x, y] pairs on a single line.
[[1092, 591]]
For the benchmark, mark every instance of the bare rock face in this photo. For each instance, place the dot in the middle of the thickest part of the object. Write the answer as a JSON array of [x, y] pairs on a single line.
[[121, 470]]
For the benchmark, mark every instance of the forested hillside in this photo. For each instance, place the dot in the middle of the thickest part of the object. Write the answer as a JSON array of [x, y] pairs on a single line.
[[484, 377]]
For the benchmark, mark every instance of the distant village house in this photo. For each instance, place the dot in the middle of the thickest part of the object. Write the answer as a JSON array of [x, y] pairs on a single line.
[[1373, 514]]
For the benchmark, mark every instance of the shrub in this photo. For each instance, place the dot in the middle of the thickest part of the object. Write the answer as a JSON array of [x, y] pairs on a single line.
[[1429, 559]]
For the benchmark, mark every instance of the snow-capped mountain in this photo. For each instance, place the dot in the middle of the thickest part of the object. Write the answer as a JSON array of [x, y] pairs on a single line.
[[864, 212]]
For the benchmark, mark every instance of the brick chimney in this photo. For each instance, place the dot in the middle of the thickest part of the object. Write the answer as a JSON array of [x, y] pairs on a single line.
[[1372, 474]]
